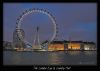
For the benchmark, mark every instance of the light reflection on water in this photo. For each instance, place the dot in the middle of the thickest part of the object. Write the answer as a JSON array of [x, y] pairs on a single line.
[[55, 58], [73, 52], [89, 52], [50, 58]]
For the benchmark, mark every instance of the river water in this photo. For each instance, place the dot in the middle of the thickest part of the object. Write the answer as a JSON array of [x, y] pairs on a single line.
[[50, 58]]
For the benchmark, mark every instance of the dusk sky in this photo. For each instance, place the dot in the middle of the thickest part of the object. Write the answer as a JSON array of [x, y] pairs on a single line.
[[77, 21]]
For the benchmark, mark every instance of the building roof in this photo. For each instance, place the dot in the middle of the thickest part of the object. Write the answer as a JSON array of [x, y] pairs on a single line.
[[72, 41], [62, 42], [59, 42], [88, 42]]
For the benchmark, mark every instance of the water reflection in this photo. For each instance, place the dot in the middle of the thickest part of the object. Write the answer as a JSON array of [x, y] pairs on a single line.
[[16, 59], [54, 58], [73, 52], [89, 52], [49, 58]]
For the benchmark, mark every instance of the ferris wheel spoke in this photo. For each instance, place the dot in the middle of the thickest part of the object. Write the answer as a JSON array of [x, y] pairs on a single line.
[[33, 10]]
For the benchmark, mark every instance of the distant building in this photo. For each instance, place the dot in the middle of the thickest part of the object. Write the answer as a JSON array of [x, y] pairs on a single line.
[[89, 46], [71, 45], [56, 45], [7, 45], [74, 46]]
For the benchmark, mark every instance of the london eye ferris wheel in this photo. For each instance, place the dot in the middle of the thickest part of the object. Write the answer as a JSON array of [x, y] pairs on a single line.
[[34, 10]]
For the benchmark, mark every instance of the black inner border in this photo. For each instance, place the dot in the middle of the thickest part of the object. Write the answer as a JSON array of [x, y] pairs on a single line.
[[13, 67]]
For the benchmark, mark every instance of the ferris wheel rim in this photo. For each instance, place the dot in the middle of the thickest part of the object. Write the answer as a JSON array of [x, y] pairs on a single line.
[[43, 11]]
